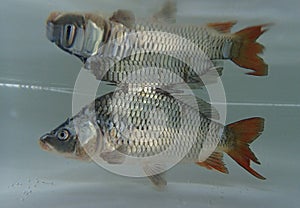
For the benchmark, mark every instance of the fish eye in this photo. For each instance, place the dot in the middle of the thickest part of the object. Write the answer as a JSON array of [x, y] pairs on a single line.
[[69, 34], [63, 134]]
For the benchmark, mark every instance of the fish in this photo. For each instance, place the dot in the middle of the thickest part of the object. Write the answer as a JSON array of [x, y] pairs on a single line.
[[148, 123], [111, 48]]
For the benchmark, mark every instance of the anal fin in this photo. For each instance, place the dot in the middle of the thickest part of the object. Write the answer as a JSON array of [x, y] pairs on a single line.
[[214, 161], [155, 173], [158, 180]]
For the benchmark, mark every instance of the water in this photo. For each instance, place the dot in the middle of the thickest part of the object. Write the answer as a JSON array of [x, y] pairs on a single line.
[[36, 81]]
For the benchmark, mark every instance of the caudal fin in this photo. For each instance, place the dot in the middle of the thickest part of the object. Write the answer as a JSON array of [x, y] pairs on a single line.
[[243, 133], [247, 51]]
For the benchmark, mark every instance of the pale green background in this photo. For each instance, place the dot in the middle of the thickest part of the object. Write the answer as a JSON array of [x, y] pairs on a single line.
[[27, 57]]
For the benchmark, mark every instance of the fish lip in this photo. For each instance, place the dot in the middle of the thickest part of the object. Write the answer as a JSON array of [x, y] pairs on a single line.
[[53, 32], [49, 31]]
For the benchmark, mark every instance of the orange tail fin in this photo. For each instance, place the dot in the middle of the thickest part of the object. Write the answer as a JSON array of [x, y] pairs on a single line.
[[247, 55], [244, 132]]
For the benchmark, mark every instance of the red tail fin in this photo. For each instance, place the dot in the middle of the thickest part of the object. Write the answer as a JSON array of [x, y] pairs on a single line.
[[244, 132], [247, 56]]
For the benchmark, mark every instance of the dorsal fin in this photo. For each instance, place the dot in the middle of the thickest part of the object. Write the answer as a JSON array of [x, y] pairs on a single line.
[[214, 161], [167, 13], [210, 77], [223, 27], [204, 108], [124, 17], [207, 109]]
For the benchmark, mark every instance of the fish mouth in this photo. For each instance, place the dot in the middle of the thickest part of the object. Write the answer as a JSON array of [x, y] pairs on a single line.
[[53, 32], [44, 145]]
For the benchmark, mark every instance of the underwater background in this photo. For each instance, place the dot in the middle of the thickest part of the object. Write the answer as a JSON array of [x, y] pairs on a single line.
[[36, 83]]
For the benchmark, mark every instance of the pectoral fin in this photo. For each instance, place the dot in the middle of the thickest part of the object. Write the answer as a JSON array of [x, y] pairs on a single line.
[[114, 157]]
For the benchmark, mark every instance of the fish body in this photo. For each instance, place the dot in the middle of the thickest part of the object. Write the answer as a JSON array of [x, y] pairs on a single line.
[[150, 122], [122, 45]]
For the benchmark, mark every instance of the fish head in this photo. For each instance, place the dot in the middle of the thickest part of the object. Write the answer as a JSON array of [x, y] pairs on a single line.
[[65, 141], [76, 33]]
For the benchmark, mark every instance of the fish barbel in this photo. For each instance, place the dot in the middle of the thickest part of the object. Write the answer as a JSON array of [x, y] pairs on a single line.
[[121, 45], [150, 122]]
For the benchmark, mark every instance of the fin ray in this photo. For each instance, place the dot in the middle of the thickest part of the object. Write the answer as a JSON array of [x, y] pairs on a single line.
[[167, 13], [155, 173], [114, 157], [124, 17], [214, 161], [204, 107], [223, 27], [247, 54], [244, 133]]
